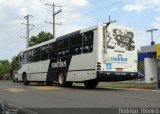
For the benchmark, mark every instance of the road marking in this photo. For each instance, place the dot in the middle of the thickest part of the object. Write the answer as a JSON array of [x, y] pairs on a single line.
[[156, 90], [46, 88], [15, 90], [142, 98], [135, 89], [132, 97]]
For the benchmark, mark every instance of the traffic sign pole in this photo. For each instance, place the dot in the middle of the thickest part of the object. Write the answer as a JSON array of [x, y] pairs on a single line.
[[158, 61], [158, 72]]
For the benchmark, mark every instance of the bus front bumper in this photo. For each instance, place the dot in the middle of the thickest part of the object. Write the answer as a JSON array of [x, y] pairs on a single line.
[[116, 76]]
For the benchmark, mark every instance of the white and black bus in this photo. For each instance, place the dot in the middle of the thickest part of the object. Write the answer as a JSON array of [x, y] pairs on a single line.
[[92, 55]]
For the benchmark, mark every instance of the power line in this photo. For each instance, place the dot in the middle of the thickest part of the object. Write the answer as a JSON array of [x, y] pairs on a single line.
[[98, 9], [79, 8], [86, 13], [71, 12]]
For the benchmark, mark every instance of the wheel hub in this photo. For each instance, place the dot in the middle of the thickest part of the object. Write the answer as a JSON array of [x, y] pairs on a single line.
[[61, 78]]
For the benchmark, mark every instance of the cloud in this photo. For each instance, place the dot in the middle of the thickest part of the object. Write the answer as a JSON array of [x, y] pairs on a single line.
[[23, 11], [136, 7], [142, 5], [81, 3], [13, 12], [156, 23], [113, 9], [141, 36]]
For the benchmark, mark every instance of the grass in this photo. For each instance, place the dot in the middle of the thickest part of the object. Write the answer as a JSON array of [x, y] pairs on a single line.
[[127, 85]]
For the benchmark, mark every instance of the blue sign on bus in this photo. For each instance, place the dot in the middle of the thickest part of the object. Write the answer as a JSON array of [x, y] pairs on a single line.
[[109, 65]]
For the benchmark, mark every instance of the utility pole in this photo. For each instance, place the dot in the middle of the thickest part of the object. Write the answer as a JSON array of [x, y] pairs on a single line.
[[110, 21], [27, 17], [54, 15], [151, 31], [105, 29]]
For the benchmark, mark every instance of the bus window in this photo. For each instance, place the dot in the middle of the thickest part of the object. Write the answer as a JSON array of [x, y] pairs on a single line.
[[44, 52], [20, 59], [37, 55], [76, 45], [88, 42], [30, 57], [66, 43], [24, 58], [61, 44], [53, 47], [63, 47], [65, 51]]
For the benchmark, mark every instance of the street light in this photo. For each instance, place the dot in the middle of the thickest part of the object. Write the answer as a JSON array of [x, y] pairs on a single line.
[[151, 31]]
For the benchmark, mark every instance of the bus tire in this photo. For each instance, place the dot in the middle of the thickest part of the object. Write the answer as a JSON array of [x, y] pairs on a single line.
[[62, 80], [91, 83], [16, 81], [25, 81]]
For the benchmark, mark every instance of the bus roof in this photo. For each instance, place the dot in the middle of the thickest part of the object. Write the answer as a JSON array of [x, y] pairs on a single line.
[[68, 35], [61, 37], [73, 33]]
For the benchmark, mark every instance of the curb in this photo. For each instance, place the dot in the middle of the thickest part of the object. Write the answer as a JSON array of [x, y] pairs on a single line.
[[135, 89]]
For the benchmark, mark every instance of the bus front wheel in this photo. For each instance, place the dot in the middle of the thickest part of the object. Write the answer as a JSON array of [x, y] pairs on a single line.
[[62, 80], [91, 83], [25, 81]]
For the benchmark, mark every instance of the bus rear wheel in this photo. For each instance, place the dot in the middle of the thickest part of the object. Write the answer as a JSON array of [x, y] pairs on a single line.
[[62, 80], [25, 81], [91, 83]]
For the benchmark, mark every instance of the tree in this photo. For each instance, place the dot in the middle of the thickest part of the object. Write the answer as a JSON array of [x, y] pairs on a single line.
[[41, 37], [4, 67], [14, 63]]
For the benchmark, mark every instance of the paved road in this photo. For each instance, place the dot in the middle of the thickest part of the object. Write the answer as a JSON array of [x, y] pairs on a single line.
[[34, 96]]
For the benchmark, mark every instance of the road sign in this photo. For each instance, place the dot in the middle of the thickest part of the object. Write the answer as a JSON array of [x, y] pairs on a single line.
[[158, 51]]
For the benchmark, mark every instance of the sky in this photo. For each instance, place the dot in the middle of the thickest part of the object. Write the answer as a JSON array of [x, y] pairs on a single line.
[[76, 14]]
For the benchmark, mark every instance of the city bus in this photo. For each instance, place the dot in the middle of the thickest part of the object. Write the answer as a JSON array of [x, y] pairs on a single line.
[[95, 54]]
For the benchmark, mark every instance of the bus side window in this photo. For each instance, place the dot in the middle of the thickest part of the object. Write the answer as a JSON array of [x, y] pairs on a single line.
[[37, 55], [76, 45], [20, 58], [65, 51], [88, 42], [44, 52], [53, 47], [30, 57], [61, 46], [24, 61]]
